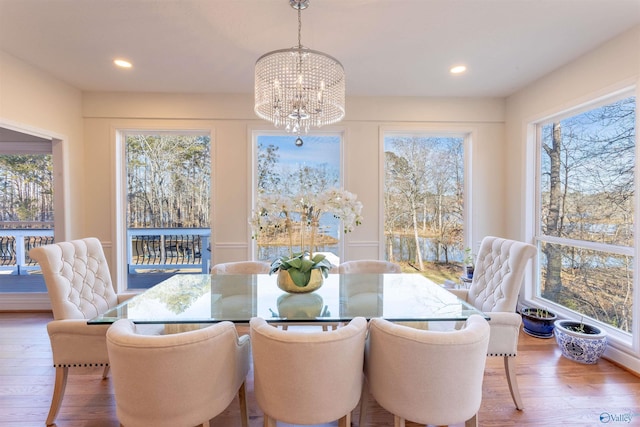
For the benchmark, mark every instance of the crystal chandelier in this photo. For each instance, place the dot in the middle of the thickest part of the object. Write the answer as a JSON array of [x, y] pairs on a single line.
[[299, 88]]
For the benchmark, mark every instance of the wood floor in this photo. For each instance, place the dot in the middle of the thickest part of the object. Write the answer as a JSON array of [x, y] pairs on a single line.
[[555, 391]]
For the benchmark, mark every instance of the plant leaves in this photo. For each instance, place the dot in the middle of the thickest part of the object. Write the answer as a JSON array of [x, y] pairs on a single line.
[[300, 278], [318, 257]]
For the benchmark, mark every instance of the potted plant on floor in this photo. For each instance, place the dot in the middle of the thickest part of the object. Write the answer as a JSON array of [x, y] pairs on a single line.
[[468, 264], [579, 341], [538, 322]]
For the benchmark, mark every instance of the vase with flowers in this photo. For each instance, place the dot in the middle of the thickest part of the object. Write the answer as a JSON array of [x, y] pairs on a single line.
[[296, 219]]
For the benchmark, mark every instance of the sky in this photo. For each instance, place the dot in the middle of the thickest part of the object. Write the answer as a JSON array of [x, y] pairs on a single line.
[[316, 149]]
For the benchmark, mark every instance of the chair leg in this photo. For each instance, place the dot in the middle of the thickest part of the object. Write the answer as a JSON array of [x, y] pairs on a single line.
[[345, 421], [398, 422], [242, 398], [269, 422], [472, 422], [364, 403], [105, 373], [510, 371], [58, 392]]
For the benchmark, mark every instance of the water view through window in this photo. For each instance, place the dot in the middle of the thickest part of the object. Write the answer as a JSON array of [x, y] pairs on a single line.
[[290, 170], [424, 203]]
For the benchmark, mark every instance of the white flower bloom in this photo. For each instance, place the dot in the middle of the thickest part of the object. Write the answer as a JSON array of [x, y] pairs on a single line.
[[302, 211]]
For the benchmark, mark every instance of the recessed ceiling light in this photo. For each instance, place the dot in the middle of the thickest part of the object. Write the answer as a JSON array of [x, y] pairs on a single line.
[[458, 69], [122, 63]]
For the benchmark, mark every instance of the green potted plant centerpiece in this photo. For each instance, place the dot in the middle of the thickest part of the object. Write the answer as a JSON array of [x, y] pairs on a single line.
[[301, 272], [297, 218], [538, 322]]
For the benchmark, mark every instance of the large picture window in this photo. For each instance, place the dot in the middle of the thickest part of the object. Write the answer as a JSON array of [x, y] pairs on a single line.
[[168, 200], [586, 212], [424, 203], [288, 169]]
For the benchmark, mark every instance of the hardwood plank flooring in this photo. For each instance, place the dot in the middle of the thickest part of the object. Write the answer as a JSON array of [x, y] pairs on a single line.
[[555, 390]]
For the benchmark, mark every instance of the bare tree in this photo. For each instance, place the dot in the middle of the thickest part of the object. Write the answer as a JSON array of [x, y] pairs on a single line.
[[168, 178], [408, 177], [553, 279], [26, 184], [588, 178], [268, 179], [423, 193]]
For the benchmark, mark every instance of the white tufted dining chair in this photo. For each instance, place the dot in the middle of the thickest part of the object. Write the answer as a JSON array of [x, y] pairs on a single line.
[[177, 380], [371, 266], [305, 377], [499, 270], [241, 267], [428, 377], [79, 286]]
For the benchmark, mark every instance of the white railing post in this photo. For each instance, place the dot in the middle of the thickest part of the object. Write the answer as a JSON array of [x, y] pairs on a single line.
[[20, 259], [205, 255], [130, 268]]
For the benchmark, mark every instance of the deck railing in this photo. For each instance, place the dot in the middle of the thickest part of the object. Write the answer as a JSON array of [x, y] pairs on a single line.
[[148, 249], [168, 248], [15, 245]]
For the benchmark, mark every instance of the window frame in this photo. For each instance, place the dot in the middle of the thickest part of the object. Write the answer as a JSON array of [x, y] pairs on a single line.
[[254, 133], [119, 167], [532, 295], [469, 135]]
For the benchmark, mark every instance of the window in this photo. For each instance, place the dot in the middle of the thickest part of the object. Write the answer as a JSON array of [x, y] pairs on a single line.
[[424, 203], [289, 169], [586, 212], [26, 208], [168, 196]]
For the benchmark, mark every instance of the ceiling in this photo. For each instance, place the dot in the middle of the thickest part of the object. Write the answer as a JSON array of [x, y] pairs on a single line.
[[387, 47]]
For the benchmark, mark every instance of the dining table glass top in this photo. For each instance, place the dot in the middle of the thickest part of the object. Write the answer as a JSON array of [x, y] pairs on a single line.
[[205, 298]]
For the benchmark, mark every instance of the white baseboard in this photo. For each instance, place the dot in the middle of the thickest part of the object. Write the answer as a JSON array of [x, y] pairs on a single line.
[[626, 360], [25, 301]]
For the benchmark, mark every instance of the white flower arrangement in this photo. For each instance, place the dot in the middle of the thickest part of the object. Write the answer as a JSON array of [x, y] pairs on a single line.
[[299, 215]]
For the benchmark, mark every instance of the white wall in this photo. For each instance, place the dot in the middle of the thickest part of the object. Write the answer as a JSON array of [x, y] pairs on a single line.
[[37, 103], [230, 118]]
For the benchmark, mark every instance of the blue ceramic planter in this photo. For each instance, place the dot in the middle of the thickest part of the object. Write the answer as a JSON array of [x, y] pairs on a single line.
[[539, 327], [583, 347]]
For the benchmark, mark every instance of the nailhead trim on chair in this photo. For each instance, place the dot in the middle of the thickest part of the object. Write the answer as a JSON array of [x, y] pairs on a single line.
[[79, 365], [502, 354]]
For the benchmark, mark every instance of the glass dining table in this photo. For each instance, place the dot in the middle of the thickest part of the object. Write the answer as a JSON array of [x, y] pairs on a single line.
[[205, 298]]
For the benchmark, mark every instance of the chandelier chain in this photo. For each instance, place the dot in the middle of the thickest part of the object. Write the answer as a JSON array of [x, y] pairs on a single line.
[[299, 27]]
